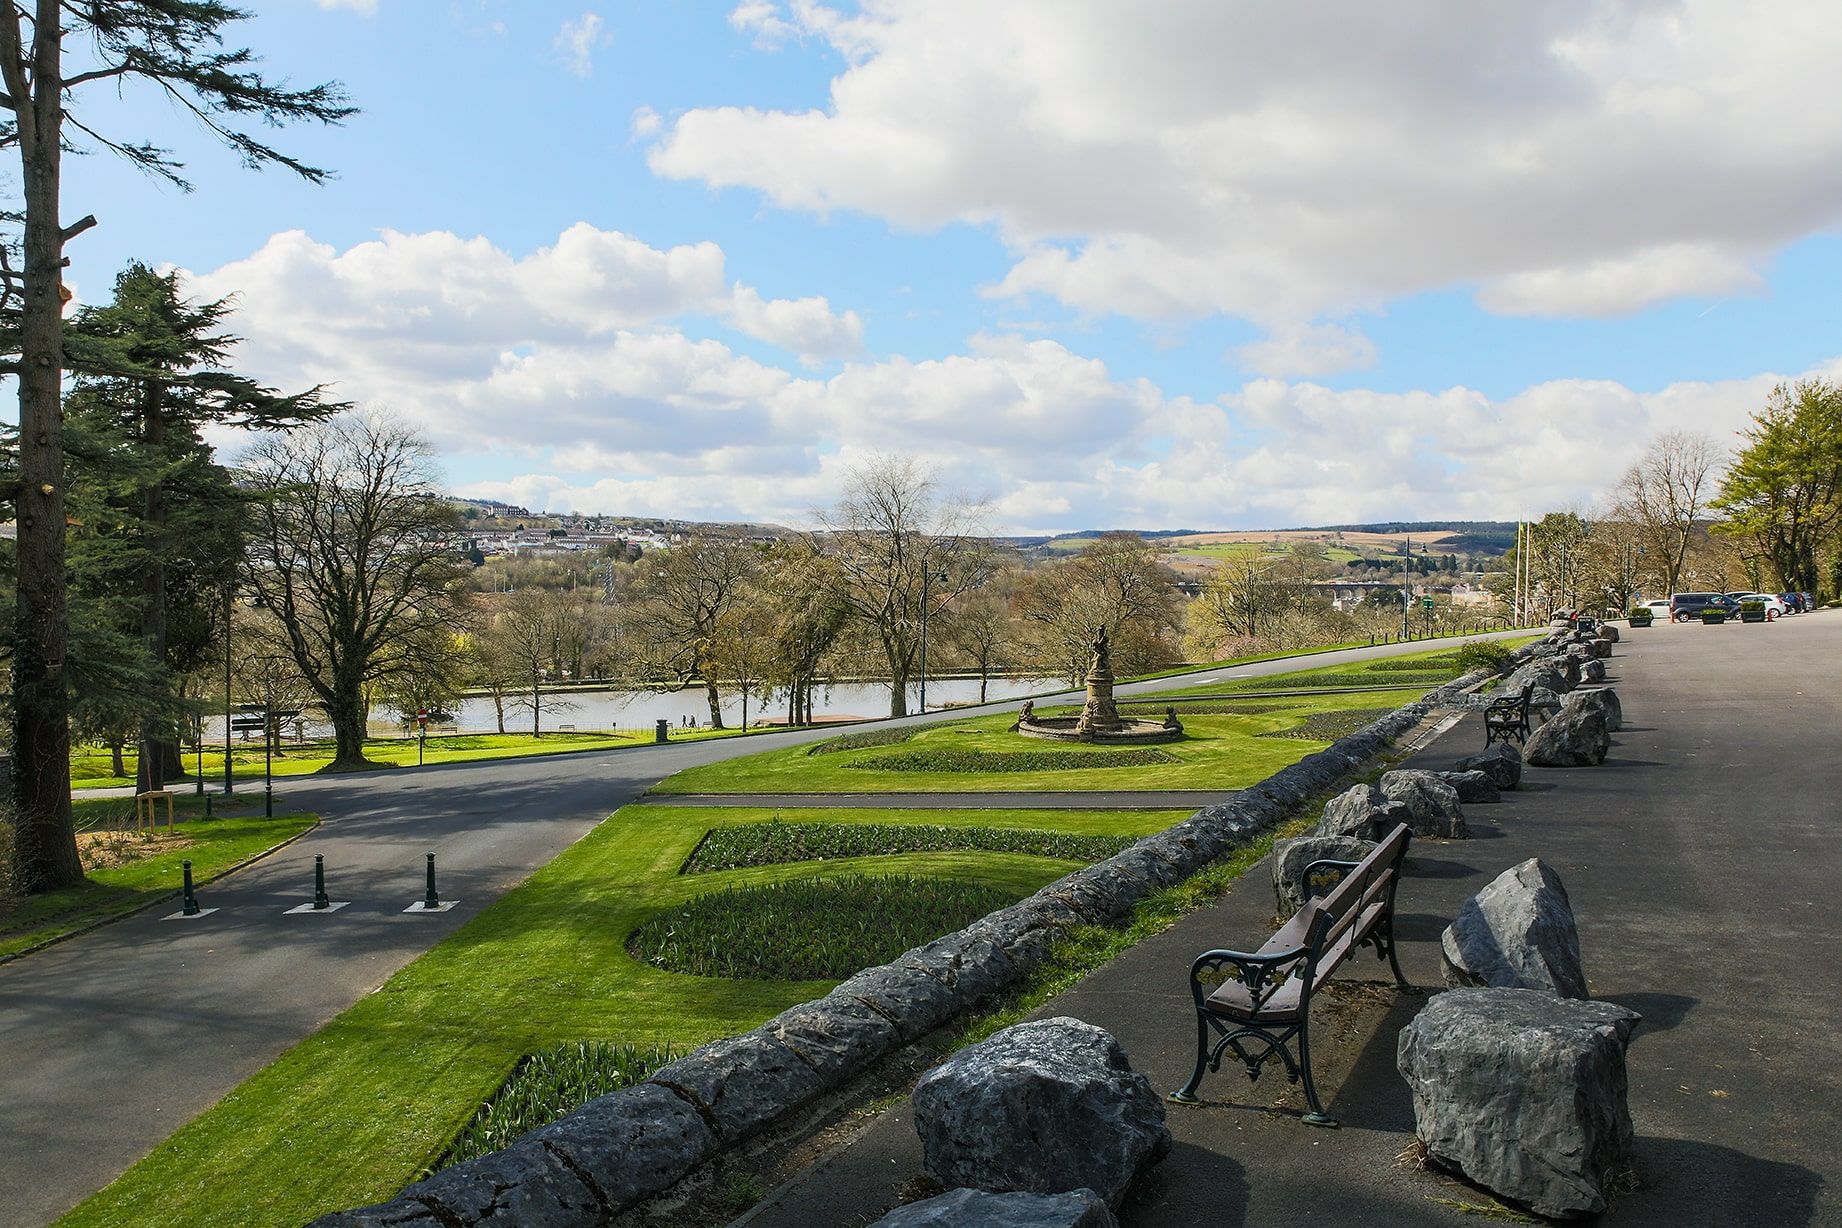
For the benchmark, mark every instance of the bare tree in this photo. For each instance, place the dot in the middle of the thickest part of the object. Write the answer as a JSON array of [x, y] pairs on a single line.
[[177, 51], [353, 552], [680, 608], [1665, 492], [1118, 583], [1239, 607], [900, 542], [983, 629], [526, 635]]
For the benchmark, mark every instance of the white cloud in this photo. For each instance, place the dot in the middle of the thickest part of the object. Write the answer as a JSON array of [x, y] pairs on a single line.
[[1308, 349], [565, 369], [763, 21], [805, 326], [577, 41], [1285, 162], [645, 122], [366, 7]]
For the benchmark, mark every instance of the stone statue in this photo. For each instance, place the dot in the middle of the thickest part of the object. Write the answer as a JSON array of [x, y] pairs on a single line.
[[1027, 711]]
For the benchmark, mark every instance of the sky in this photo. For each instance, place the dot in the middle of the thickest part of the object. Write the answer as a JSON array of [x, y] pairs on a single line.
[[1213, 264]]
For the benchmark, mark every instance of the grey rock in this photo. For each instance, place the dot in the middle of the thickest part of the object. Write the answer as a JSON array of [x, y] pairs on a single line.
[[1502, 761], [741, 1084], [978, 1209], [913, 1001], [972, 965], [1432, 804], [525, 1183], [1290, 857], [837, 1036], [1045, 1107], [630, 1144], [1568, 667], [1605, 700], [1473, 786], [1363, 811], [1576, 736], [1601, 648], [1523, 1093], [1517, 933], [1592, 671], [1609, 632]]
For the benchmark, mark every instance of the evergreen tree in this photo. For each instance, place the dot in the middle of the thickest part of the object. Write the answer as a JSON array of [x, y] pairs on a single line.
[[1783, 493], [151, 381], [175, 49]]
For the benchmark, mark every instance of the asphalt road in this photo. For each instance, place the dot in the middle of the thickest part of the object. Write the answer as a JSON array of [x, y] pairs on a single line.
[[113, 1040], [1702, 864]]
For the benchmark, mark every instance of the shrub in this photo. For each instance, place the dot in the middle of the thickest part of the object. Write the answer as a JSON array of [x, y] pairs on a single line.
[[1401, 677], [861, 741], [550, 1085], [1482, 654], [811, 929], [1445, 660], [777, 843], [950, 760]]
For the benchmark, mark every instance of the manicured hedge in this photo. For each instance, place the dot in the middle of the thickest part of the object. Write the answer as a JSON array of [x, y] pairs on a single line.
[[861, 741], [810, 929], [950, 760], [1329, 726], [777, 843]]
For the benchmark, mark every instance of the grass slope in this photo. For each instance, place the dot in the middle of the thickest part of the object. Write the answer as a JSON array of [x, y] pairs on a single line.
[[365, 1105], [217, 844]]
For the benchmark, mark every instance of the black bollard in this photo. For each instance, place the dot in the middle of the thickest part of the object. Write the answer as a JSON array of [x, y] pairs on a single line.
[[430, 900], [319, 883], [190, 907]]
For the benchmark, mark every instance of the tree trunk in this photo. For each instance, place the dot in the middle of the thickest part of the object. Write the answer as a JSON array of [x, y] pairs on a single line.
[[45, 855], [537, 707], [716, 705], [117, 766], [498, 708], [346, 709]]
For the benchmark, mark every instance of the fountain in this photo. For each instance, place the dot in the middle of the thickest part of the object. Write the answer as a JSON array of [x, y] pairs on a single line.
[[1099, 720]]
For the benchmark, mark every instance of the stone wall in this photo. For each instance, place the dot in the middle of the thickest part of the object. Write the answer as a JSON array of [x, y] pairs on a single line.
[[623, 1148]]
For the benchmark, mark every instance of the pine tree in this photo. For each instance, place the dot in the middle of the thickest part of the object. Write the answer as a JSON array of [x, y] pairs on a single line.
[[173, 48]]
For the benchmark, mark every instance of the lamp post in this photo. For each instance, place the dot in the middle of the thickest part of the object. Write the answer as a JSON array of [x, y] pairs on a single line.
[[268, 753], [926, 576], [229, 597], [1406, 585]]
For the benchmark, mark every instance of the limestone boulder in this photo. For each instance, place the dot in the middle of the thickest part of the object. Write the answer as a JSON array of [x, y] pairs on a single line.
[[1592, 671], [1362, 811], [1517, 933], [1473, 786], [1523, 1093], [1045, 1107], [1600, 648], [1432, 804], [1291, 857], [1603, 699], [1501, 761], [1575, 736], [966, 1208], [1609, 632]]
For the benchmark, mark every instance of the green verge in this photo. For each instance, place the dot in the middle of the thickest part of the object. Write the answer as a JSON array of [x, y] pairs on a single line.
[[371, 1101], [778, 843], [92, 768], [218, 844]]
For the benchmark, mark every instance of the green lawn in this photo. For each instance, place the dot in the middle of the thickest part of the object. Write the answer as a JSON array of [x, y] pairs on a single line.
[[217, 844], [1220, 750], [92, 768], [365, 1105]]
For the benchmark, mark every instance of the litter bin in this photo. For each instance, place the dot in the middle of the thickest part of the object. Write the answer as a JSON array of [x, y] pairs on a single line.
[[658, 731]]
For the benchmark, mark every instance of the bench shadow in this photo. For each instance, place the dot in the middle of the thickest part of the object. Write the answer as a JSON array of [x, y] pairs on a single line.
[[1416, 868], [1191, 1185], [1373, 1095], [1422, 927], [1661, 1011]]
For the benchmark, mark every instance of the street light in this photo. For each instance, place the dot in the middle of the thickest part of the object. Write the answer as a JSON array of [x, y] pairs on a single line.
[[926, 576]]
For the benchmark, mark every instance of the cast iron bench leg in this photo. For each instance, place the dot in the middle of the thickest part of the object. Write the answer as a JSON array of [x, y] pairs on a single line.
[[1187, 1093]]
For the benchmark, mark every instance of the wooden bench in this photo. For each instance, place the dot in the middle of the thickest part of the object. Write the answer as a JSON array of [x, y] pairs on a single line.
[[1257, 1003], [1508, 717]]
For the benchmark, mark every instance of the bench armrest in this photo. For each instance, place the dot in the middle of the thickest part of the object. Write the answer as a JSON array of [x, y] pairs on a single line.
[[1261, 974], [1508, 704]]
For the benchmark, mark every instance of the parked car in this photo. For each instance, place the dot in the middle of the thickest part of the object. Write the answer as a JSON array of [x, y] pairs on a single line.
[[1795, 603], [1774, 604], [1658, 609], [1687, 607]]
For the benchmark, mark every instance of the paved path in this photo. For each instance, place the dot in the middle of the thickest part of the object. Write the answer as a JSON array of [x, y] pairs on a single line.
[[1702, 860], [113, 1040], [1138, 799]]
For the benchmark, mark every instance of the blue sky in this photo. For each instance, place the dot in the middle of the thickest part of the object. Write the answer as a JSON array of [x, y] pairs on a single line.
[[1222, 267]]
